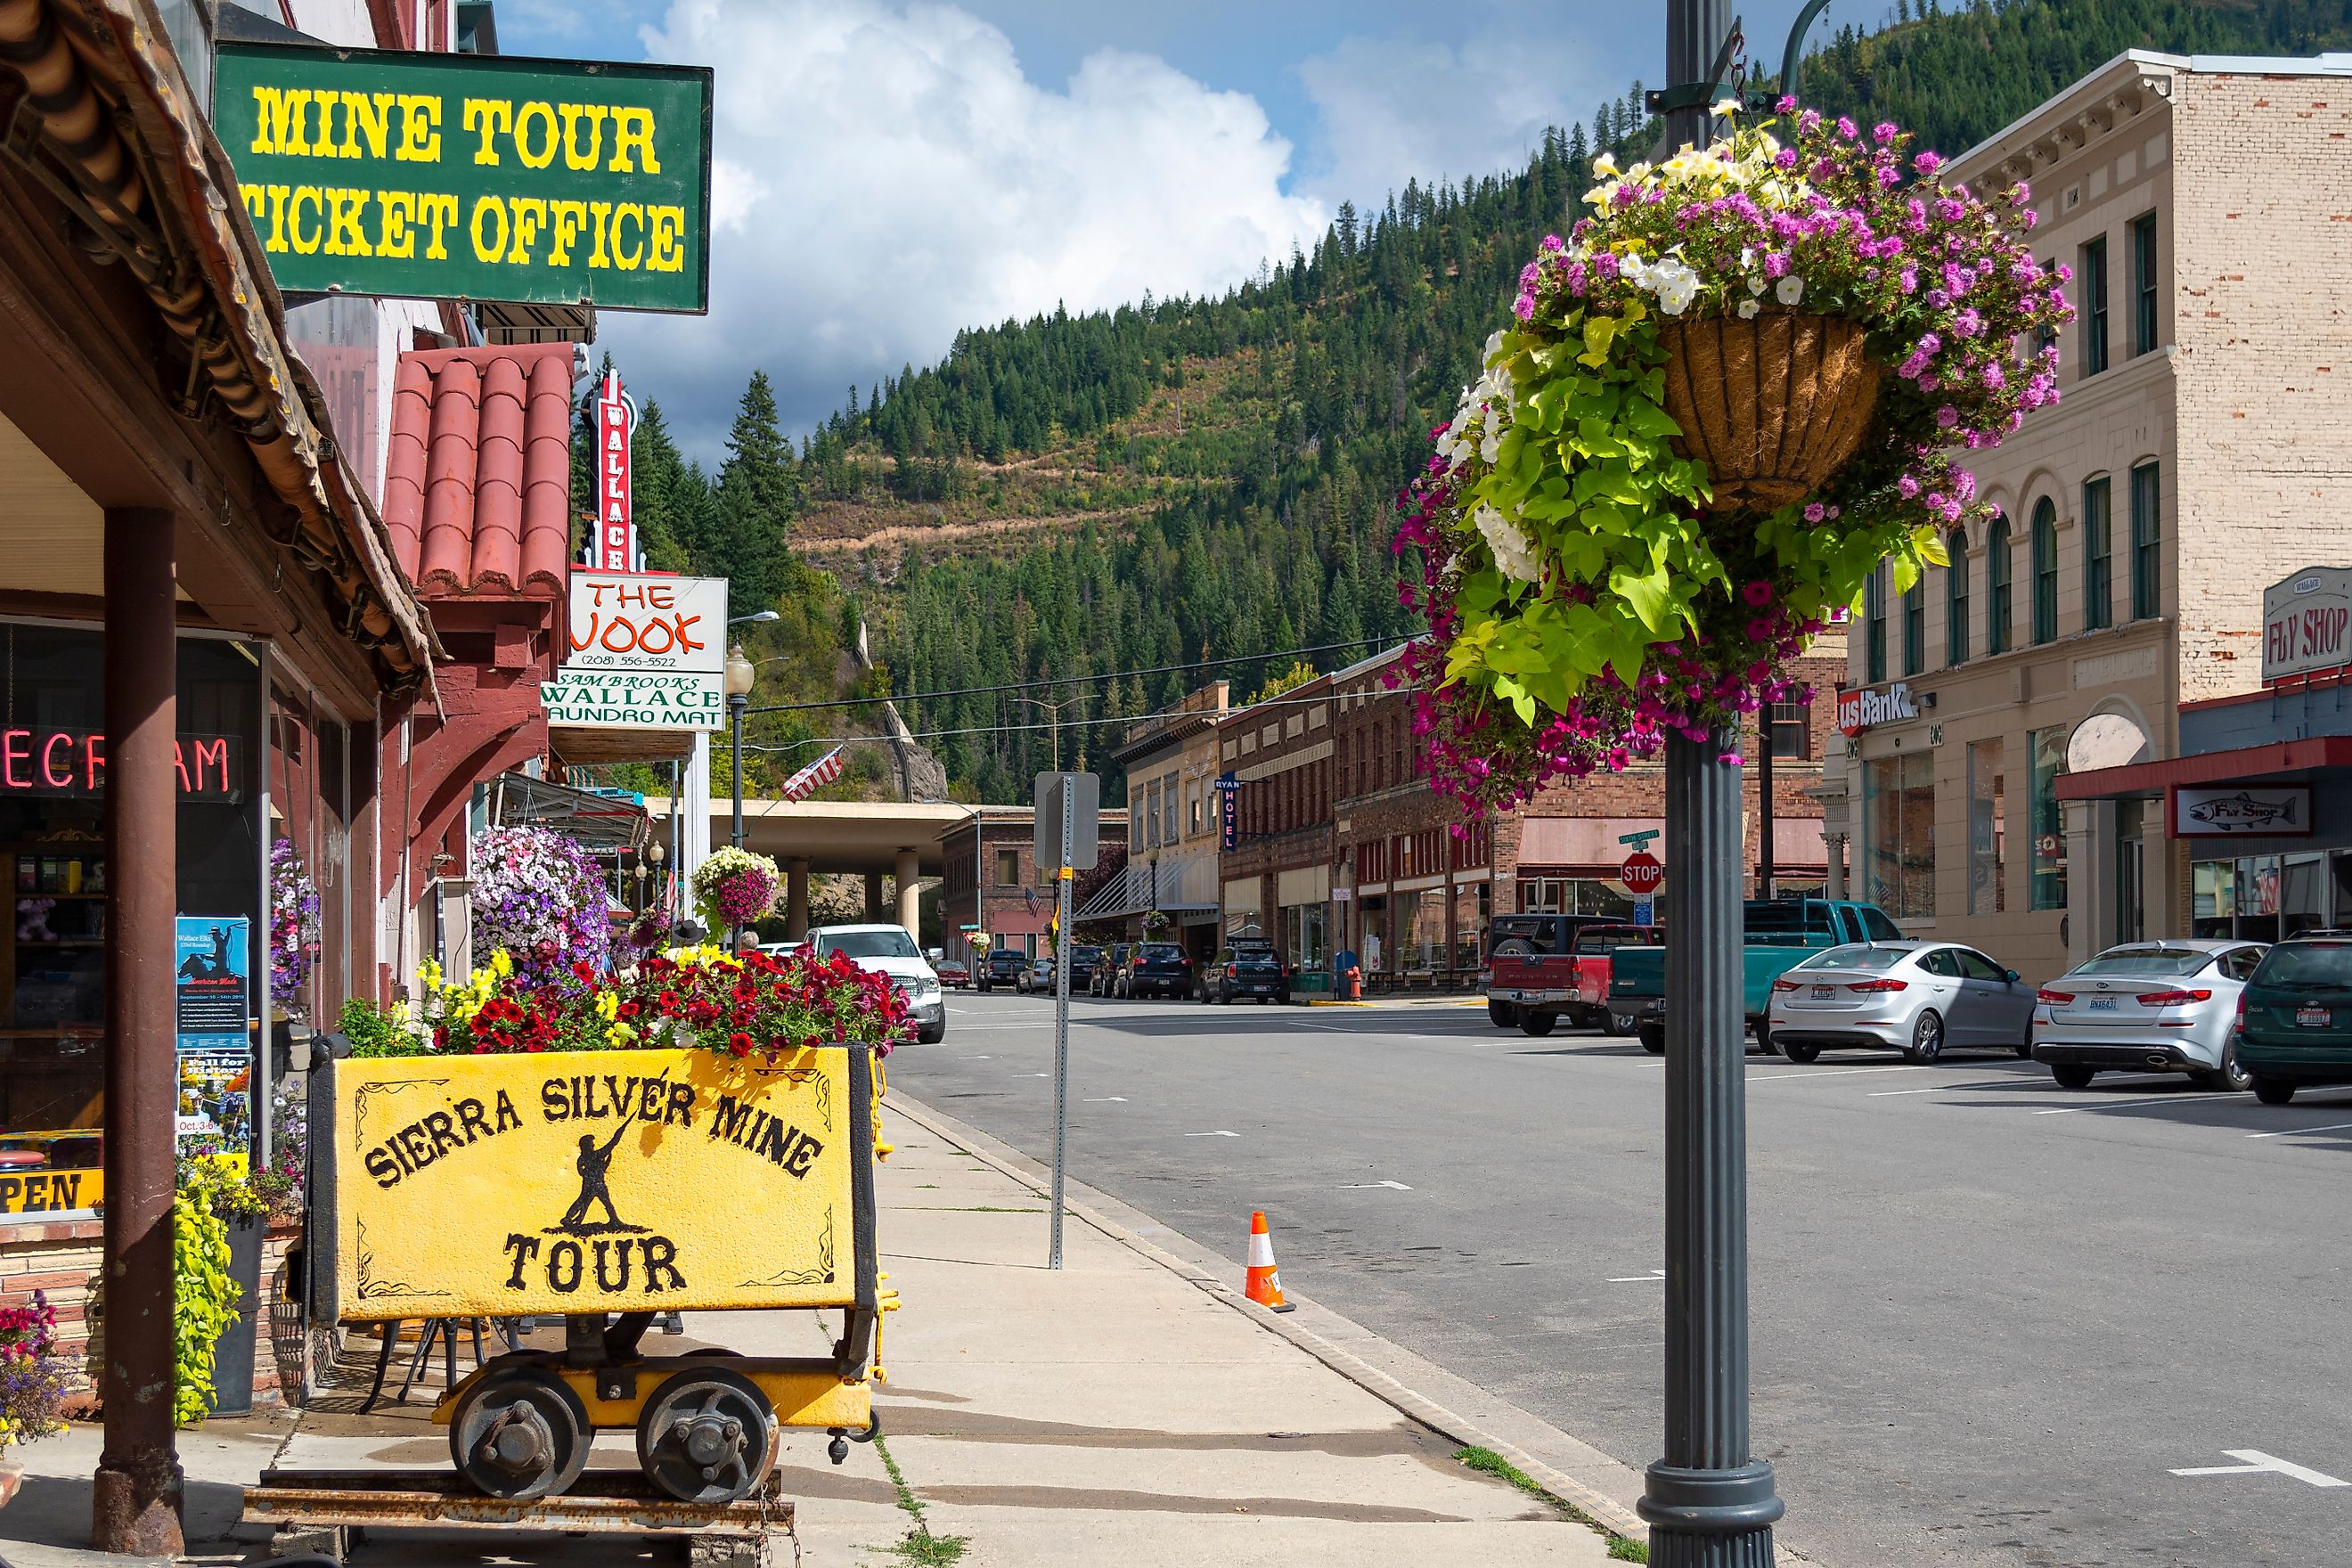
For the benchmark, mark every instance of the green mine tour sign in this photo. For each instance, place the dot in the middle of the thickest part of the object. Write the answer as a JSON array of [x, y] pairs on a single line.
[[470, 177]]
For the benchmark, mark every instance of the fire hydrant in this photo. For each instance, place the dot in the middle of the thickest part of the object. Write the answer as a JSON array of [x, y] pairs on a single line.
[[1355, 984]]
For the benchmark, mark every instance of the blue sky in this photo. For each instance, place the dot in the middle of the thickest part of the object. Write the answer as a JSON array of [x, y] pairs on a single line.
[[892, 171]]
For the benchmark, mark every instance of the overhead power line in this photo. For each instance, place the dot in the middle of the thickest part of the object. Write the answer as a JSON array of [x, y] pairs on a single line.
[[1108, 675]]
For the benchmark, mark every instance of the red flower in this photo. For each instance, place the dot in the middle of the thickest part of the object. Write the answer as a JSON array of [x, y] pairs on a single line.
[[629, 1010], [669, 1004], [584, 972], [739, 1044]]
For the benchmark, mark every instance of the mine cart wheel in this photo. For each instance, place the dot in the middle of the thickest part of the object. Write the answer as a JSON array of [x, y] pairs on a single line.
[[707, 1436], [520, 1434]]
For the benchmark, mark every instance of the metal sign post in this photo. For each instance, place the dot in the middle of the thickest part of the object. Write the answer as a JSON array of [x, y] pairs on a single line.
[[1062, 1019], [1069, 821]]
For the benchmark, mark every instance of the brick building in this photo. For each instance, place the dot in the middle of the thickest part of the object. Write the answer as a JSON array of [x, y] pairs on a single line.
[[2202, 451], [1171, 761], [993, 851], [1275, 866]]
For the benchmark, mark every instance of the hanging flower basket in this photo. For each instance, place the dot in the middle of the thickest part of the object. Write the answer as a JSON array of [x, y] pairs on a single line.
[[1773, 406], [1725, 399], [537, 895], [734, 887]]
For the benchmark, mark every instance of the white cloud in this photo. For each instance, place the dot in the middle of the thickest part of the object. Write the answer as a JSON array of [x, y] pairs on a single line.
[[1392, 109], [887, 176]]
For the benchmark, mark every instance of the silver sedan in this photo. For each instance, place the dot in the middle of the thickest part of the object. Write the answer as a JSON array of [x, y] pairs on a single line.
[[1918, 997], [2148, 1006]]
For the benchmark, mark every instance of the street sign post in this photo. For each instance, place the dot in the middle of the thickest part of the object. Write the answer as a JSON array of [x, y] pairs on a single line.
[[1645, 911], [1642, 838], [1069, 821]]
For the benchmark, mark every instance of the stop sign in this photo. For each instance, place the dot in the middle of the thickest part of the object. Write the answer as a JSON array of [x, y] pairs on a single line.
[[1642, 873]]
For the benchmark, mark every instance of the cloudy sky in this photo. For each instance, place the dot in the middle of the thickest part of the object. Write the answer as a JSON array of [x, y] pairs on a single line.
[[889, 172]]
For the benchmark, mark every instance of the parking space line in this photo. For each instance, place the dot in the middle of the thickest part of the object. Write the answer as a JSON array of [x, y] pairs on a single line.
[[1840, 1072], [2159, 1100], [1941, 1088], [2290, 1132]]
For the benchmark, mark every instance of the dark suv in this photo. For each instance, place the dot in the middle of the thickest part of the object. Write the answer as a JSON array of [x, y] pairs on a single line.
[[1246, 969], [1003, 968], [2295, 1018], [1154, 969], [1107, 968]]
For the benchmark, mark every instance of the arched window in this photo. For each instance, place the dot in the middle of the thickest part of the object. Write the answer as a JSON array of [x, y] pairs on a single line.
[[2045, 570], [1955, 599], [1997, 586]]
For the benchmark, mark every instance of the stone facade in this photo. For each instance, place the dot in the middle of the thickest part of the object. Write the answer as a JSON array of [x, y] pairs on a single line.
[[2203, 452]]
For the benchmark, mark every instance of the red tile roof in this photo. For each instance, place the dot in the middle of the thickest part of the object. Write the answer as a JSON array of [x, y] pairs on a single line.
[[477, 479]]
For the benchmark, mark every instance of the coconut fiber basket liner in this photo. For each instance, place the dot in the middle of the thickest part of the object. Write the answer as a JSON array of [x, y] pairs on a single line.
[[1773, 406]]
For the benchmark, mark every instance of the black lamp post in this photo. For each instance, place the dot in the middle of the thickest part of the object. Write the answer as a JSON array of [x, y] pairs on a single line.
[[740, 675], [1709, 1500]]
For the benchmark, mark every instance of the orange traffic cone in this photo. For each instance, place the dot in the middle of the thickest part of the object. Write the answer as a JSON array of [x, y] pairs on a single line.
[[1265, 1283]]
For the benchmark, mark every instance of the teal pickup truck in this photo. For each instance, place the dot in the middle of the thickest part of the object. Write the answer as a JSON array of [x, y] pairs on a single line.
[[1780, 932]]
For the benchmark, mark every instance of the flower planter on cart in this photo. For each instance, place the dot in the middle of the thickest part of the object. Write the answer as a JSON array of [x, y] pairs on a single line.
[[633, 1183]]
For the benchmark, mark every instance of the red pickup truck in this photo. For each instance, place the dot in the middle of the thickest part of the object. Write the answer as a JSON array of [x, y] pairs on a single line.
[[1547, 967]]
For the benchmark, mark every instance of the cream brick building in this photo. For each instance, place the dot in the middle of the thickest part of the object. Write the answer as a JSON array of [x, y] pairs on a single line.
[[2202, 450]]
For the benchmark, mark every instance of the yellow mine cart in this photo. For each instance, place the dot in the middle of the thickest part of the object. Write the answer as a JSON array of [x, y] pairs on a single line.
[[610, 1186]]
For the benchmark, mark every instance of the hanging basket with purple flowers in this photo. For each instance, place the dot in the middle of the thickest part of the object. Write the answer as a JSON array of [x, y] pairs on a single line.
[[293, 929], [539, 895], [1726, 398]]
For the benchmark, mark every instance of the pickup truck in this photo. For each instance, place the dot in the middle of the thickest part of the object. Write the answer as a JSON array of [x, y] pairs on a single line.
[[1779, 933], [1532, 990]]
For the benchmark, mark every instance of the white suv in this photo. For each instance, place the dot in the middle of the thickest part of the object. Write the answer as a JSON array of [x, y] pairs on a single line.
[[890, 949]]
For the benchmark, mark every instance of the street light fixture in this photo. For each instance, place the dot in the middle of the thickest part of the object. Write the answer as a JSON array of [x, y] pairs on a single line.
[[740, 677], [1055, 709], [756, 615]]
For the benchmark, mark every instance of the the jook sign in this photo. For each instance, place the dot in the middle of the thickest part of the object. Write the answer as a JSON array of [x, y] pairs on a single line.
[[599, 1181], [642, 652], [472, 176]]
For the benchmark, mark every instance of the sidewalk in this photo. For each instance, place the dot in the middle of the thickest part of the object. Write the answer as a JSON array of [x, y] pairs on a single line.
[[1114, 1411]]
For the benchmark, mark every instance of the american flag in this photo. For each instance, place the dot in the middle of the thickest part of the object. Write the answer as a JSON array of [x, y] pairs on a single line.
[[814, 776]]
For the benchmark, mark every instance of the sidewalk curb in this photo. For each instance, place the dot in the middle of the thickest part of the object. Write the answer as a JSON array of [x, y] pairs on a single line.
[[1612, 1514]]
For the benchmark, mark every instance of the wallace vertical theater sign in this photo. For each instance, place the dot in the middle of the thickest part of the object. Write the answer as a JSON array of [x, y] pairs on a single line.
[[470, 177]]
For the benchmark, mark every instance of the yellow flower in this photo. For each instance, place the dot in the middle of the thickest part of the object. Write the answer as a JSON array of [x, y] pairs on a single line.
[[501, 964], [608, 1006], [429, 973], [619, 1035]]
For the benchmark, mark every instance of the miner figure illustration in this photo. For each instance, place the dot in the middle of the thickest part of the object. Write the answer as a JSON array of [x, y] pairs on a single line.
[[594, 1165]]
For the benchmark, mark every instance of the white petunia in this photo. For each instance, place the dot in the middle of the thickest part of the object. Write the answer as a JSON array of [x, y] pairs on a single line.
[[1491, 447], [1747, 308], [1790, 290], [1514, 554], [1722, 107], [1605, 165]]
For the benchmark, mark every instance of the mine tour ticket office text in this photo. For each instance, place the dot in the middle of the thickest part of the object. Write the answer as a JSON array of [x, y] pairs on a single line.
[[475, 176]]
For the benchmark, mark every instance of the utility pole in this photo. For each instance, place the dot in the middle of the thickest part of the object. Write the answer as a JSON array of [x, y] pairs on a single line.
[[1709, 1501]]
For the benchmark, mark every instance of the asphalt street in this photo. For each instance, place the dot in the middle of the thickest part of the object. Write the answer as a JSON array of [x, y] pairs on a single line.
[[1992, 1318]]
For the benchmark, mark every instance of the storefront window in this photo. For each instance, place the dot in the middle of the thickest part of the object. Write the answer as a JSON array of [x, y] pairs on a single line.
[[1376, 948], [2049, 889], [53, 847], [2258, 897], [1899, 814], [1578, 896], [1304, 932], [1469, 925], [1419, 926], [2213, 909], [1988, 830], [2302, 892]]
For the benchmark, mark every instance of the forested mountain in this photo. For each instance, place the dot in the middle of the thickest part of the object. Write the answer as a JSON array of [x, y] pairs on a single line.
[[1186, 479]]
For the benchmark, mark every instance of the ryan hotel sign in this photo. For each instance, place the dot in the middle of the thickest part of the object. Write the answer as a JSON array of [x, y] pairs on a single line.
[[475, 177]]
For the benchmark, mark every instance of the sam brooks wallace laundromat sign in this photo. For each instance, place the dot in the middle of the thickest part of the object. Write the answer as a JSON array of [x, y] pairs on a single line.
[[597, 1182]]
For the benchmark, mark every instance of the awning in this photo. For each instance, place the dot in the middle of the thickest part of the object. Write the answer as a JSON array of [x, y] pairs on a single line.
[[1183, 885], [2279, 758], [599, 821]]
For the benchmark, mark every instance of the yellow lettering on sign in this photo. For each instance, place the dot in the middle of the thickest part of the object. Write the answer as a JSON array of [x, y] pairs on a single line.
[[490, 116], [483, 249], [627, 260], [602, 212], [345, 206], [633, 127], [420, 129], [397, 210], [369, 115], [545, 154], [529, 216], [439, 209], [277, 240], [566, 220], [666, 254], [281, 121], [573, 113], [294, 218]]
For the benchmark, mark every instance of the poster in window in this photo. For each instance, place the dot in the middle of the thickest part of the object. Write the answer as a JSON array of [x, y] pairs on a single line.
[[212, 995]]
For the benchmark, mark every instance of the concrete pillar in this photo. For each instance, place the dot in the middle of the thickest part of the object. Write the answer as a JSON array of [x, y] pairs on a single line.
[[796, 875], [1833, 849], [2091, 843], [909, 874], [874, 895], [136, 1496]]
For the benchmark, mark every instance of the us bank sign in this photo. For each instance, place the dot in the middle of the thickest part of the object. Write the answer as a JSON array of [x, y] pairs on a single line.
[[1866, 706]]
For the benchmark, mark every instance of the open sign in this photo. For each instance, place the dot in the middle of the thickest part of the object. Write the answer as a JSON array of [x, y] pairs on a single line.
[[646, 622]]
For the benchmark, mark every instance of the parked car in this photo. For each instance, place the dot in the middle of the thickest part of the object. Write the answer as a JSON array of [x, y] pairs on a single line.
[[1004, 967], [2295, 1018], [1918, 997], [1037, 979], [2148, 1006], [1532, 990], [781, 949], [1778, 934], [1154, 969], [1107, 968], [1246, 968], [952, 972], [889, 948]]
